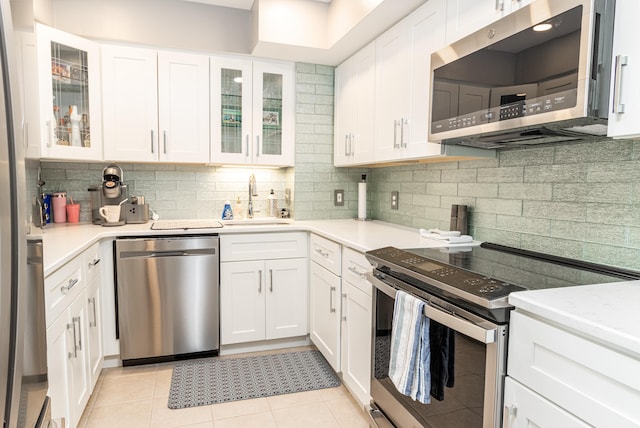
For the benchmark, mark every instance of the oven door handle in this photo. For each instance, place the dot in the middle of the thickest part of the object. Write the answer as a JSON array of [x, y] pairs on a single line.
[[431, 311]]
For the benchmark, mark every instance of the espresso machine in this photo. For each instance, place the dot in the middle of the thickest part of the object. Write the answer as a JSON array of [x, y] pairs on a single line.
[[112, 191]]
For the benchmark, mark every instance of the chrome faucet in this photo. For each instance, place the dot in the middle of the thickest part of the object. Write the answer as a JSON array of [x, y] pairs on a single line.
[[253, 191]]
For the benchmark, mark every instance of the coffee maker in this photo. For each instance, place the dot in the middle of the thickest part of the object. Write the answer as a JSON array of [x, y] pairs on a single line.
[[112, 191]]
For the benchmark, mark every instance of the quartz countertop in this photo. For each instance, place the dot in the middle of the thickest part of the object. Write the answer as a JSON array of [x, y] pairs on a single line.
[[606, 313], [64, 241]]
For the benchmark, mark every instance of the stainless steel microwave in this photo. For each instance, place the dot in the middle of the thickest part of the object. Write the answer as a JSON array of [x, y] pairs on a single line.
[[510, 84]]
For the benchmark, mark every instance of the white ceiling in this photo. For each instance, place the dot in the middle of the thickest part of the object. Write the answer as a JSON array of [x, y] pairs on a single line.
[[236, 4]]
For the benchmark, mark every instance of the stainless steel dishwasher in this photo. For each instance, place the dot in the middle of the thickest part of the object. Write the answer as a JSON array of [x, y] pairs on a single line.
[[168, 297]]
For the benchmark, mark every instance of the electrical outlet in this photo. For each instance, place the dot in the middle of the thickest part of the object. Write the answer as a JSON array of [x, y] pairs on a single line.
[[338, 197], [395, 195]]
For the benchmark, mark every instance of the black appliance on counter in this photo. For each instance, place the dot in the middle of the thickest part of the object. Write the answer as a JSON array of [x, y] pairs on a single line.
[[466, 301]]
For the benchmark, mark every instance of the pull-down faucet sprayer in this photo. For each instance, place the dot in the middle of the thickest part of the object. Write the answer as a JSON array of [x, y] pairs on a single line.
[[253, 191]]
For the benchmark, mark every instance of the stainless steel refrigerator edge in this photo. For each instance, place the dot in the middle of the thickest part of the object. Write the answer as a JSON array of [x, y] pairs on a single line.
[[13, 233]]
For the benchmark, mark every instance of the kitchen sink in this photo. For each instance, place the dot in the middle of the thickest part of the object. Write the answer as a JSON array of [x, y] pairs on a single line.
[[257, 222]]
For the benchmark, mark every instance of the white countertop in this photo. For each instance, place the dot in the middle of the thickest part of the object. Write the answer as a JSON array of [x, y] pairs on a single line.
[[64, 241], [606, 313]]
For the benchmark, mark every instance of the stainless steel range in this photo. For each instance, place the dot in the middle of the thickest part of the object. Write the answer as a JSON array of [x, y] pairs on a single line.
[[466, 296]]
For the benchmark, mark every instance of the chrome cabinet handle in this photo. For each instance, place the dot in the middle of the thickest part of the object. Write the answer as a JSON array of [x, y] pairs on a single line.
[[271, 280], [322, 253], [332, 290], [79, 332], [93, 263], [395, 134], [260, 281], [343, 308], [346, 145], [352, 138], [356, 271], [95, 315], [618, 107], [510, 412], [165, 142], [65, 288], [73, 354], [403, 142], [247, 144], [257, 145], [152, 152]]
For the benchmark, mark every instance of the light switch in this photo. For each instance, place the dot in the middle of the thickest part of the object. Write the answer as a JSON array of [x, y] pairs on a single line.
[[338, 197], [395, 195]]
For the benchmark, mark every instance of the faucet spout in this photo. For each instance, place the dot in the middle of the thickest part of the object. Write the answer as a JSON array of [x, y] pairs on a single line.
[[252, 192]]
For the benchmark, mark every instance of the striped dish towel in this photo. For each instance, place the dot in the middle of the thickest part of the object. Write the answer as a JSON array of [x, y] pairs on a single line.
[[410, 359]]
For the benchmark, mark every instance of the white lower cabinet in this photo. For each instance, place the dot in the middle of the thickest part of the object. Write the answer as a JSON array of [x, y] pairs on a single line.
[[559, 379], [263, 287], [324, 308], [74, 348]]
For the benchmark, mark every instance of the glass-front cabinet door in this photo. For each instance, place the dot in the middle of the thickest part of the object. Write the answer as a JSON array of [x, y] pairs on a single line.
[[274, 113], [69, 87], [252, 112], [231, 112]]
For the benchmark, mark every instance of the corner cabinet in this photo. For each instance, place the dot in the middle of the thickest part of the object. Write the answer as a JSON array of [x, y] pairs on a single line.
[[252, 112], [69, 79], [156, 105]]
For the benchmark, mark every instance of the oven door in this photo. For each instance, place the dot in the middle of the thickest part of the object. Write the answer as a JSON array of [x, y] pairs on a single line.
[[478, 356]]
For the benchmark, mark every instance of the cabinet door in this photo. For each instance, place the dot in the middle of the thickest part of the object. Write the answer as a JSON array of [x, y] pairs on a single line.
[[80, 388], [231, 113], [286, 298], [183, 109], [324, 313], [242, 301], [428, 35], [94, 331], [69, 81], [466, 16], [356, 341], [273, 113], [625, 82], [59, 345], [130, 103], [524, 408], [355, 108], [393, 83]]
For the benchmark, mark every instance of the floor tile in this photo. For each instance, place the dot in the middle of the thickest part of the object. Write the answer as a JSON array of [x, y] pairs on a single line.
[[125, 415], [256, 420], [162, 416], [239, 408], [295, 399], [125, 388], [313, 415]]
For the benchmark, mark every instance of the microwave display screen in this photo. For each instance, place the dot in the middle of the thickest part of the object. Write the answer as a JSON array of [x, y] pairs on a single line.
[[528, 73]]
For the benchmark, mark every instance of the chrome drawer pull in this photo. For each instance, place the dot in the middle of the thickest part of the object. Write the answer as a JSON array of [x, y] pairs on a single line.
[[322, 253], [260, 281], [95, 315], [271, 280], [331, 308], [65, 288], [355, 271], [94, 263]]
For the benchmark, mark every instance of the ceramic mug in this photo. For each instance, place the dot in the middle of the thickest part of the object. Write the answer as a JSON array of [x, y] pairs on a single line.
[[111, 213]]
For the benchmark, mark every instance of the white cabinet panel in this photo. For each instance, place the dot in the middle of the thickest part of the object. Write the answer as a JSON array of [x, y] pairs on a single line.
[[324, 313], [625, 83], [286, 298]]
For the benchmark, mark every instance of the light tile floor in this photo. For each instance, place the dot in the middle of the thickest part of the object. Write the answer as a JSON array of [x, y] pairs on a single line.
[[137, 396]]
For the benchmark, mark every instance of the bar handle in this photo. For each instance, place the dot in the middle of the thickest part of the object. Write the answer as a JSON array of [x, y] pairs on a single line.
[[271, 280], [346, 144], [260, 281], [73, 354], [257, 145], [510, 412], [65, 288], [332, 290], [152, 139], [618, 107], [95, 315], [395, 134], [247, 139], [343, 307], [165, 142]]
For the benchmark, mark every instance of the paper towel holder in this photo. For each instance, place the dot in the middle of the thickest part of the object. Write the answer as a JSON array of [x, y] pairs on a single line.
[[362, 200]]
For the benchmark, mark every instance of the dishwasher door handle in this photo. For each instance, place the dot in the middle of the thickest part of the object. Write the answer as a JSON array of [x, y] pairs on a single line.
[[157, 254]]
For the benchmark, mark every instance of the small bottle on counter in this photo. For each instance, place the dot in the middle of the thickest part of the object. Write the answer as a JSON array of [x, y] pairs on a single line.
[[238, 212], [227, 212]]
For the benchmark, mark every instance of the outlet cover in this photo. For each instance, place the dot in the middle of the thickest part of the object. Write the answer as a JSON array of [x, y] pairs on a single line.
[[395, 195], [338, 197]]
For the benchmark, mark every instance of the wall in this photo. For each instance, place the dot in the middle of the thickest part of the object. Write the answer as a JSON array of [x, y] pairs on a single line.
[[580, 201]]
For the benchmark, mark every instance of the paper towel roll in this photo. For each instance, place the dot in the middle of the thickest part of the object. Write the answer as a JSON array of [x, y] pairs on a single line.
[[362, 200]]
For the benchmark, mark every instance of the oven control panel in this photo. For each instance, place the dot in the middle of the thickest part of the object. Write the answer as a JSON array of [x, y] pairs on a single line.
[[470, 282]]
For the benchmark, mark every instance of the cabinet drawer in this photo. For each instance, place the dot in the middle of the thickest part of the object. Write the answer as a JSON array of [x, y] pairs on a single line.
[[326, 253], [354, 268], [263, 246], [595, 383], [62, 287], [92, 261]]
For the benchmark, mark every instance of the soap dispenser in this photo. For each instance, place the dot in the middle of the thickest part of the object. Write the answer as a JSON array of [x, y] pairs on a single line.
[[237, 210]]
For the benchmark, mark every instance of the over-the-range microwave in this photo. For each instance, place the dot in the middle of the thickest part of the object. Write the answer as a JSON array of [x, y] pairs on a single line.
[[510, 84]]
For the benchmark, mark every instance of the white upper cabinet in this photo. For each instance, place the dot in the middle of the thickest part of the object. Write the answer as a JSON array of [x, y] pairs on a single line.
[[466, 16], [130, 103], [183, 107], [156, 105], [355, 108], [402, 84], [69, 96], [624, 109], [252, 112]]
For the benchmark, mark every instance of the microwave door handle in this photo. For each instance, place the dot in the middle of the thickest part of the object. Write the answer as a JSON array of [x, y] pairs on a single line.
[[618, 108], [466, 327]]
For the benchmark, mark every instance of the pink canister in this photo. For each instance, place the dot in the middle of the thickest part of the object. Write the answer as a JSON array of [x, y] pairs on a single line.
[[59, 202]]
